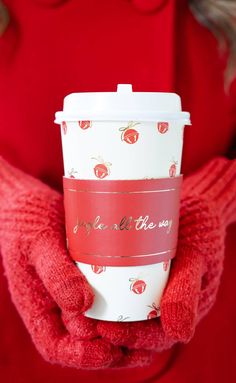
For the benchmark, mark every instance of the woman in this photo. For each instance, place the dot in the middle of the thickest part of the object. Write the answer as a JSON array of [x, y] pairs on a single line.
[[50, 48]]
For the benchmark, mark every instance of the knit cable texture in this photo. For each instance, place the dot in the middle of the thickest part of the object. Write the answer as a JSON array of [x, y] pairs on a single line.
[[51, 294]]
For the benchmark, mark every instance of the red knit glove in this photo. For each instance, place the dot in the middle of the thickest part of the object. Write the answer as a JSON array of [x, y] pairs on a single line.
[[48, 290], [208, 206], [191, 291]]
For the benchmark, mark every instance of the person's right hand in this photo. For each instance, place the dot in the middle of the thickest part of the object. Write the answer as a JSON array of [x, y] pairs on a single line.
[[48, 290]]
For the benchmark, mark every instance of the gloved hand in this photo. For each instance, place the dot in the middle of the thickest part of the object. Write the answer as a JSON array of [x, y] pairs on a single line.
[[208, 206], [50, 293], [48, 290]]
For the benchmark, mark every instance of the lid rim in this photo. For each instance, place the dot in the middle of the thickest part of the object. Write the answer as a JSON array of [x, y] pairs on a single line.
[[123, 116]]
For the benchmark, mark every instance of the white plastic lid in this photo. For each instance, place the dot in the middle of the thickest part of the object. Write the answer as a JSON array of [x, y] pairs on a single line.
[[123, 105]]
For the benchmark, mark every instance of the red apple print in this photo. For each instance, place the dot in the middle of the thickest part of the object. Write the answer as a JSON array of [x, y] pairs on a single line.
[[85, 124], [162, 127], [64, 127], [129, 134], [172, 169], [138, 286], [166, 265], [98, 269], [154, 313], [102, 169]]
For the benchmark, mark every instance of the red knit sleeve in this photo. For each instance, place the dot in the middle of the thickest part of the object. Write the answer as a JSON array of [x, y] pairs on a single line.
[[215, 184], [208, 206]]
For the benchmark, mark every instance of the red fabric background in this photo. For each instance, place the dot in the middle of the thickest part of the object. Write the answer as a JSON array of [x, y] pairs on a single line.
[[49, 51]]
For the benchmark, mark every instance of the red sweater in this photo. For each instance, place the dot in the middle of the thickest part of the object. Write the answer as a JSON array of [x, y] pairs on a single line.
[[52, 48]]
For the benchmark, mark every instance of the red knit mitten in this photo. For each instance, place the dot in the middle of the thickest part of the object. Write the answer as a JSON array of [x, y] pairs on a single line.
[[208, 206], [48, 290]]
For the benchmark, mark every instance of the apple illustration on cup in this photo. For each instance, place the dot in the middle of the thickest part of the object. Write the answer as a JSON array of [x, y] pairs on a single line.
[[98, 269], [102, 169], [64, 127], [162, 127], [172, 169], [166, 265], [85, 124], [129, 134], [154, 313], [137, 286]]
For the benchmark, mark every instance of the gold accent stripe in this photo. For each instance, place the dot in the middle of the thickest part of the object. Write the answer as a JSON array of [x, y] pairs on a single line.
[[129, 256], [122, 192]]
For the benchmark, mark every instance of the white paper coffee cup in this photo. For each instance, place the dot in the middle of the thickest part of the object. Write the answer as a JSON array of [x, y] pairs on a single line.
[[123, 135]]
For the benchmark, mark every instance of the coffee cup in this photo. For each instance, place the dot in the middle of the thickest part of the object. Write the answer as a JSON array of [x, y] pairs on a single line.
[[122, 155]]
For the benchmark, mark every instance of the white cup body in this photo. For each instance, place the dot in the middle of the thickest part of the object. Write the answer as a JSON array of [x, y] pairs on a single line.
[[130, 150]]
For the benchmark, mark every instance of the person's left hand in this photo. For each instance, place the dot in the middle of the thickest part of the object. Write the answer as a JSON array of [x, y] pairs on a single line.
[[48, 290], [208, 206]]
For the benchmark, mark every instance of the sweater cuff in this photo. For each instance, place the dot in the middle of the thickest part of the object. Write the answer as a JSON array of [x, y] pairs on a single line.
[[215, 183], [27, 204]]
